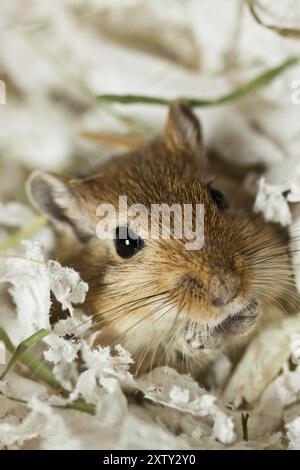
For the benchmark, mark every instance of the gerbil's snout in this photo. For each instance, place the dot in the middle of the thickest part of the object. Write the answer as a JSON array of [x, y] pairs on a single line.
[[218, 308], [223, 288], [216, 290]]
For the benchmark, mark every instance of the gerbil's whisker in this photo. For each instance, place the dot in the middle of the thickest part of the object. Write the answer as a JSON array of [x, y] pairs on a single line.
[[146, 349], [140, 304], [115, 318]]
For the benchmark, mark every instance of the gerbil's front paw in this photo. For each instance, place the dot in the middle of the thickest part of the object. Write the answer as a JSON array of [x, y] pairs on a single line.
[[206, 338], [202, 337]]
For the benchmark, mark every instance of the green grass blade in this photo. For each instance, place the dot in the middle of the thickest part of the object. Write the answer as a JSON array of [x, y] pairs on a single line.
[[253, 85], [77, 405], [40, 370], [22, 348], [17, 400]]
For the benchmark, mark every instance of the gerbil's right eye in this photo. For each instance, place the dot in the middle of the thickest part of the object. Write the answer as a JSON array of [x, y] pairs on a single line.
[[127, 242]]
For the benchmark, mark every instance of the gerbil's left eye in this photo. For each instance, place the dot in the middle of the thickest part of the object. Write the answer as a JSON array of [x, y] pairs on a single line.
[[218, 198], [127, 242]]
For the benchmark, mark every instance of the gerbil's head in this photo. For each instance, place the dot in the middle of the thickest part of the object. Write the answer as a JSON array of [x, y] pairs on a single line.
[[166, 293]]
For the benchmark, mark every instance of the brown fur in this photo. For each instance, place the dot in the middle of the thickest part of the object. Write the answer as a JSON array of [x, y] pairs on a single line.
[[149, 301]]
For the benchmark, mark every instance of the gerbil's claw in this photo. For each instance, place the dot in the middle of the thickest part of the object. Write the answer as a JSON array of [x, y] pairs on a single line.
[[205, 338], [243, 321], [202, 337]]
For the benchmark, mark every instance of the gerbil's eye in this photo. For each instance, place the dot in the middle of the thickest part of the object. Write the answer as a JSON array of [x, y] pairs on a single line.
[[218, 198], [127, 242]]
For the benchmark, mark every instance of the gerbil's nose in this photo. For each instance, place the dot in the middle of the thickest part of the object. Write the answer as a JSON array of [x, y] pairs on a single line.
[[223, 288]]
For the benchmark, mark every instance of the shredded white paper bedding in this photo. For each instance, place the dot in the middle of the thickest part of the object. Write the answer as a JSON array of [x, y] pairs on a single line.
[[55, 58]]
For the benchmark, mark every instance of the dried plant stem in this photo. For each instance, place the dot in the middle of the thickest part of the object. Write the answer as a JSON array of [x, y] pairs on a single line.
[[25, 232], [287, 32], [115, 140], [31, 260], [245, 417], [253, 85]]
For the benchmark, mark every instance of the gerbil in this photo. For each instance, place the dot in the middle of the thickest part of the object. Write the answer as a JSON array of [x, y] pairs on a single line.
[[162, 302]]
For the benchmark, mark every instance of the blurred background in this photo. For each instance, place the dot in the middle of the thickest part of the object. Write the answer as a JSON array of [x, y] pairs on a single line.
[[57, 56]]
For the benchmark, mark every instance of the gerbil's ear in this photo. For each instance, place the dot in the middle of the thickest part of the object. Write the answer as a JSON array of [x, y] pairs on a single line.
[[54, 196], [183, 131]]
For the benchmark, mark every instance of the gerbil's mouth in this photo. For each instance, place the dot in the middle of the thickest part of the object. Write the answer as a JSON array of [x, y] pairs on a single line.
[[208, 338]]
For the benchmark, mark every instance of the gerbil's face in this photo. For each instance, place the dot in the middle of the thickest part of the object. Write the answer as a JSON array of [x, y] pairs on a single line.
[[158, 298]]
